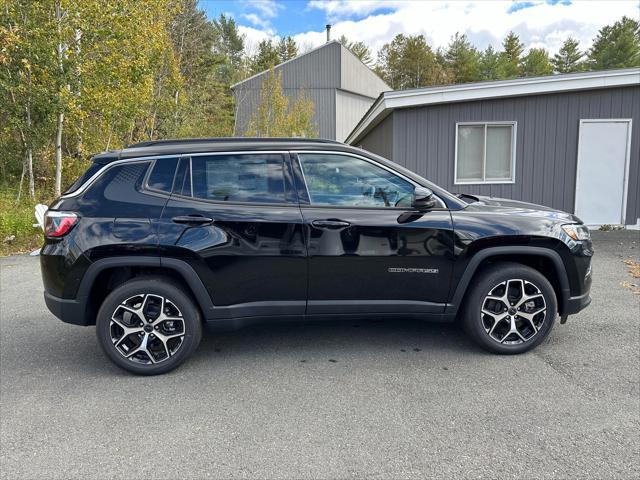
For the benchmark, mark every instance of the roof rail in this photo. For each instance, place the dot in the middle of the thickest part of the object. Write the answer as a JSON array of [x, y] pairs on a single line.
[[179, 141]]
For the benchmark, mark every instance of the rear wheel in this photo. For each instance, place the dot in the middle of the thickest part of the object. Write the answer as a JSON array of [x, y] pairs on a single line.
[[148, 326], [511, 308]]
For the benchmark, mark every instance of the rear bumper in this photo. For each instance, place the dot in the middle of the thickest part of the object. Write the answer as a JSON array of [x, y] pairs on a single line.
[[68, 310]]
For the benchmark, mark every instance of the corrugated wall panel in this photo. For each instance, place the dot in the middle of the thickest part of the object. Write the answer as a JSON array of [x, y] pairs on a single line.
[[356, 77], [381, 139], [350, 108], [546, 148]]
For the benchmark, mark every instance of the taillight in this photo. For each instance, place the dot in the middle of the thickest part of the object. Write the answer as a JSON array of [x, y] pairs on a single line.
[[57, 224]]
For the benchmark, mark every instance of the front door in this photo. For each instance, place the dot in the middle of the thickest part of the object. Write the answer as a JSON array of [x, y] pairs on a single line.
[[603, 154], [235, 218], [369, 251]]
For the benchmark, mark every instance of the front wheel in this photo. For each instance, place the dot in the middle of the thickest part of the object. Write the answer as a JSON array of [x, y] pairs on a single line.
[[148, 325], [511, 308]]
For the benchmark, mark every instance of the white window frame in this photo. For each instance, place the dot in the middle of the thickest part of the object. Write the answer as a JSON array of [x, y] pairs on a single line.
[[484, 181]]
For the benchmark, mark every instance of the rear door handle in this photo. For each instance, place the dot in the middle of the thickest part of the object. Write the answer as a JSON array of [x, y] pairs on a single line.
[[192, 219], [330, 224]]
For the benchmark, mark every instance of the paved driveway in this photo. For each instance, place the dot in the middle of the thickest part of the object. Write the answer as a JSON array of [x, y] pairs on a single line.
[[392, 399]]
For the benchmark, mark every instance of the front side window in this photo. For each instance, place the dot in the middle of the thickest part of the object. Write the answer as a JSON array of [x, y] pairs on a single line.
[[252, 178], [485, 153], [340, 180]]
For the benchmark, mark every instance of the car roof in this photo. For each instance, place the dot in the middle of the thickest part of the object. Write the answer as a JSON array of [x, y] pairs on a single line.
[[203, 145]]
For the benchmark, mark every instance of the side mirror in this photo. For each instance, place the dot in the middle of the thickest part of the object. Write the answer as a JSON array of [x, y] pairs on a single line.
[[423, 198]]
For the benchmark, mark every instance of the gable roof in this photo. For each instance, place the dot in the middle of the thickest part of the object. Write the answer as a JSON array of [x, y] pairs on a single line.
[[330, 65], [388, 101]]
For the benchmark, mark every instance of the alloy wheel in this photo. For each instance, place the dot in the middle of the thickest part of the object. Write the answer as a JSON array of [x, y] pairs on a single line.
[[513, 312], [147, 329]]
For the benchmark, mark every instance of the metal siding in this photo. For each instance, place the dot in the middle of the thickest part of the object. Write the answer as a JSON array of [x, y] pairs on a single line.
[[356, 77], [632, 99], [546, 143], [381, 142], [350, 108]]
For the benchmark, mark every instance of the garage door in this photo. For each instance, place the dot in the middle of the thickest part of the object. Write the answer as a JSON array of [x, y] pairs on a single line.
[[603, 156]]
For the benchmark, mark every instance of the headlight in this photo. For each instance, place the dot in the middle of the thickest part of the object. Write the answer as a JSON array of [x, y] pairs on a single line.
[[577, 232]]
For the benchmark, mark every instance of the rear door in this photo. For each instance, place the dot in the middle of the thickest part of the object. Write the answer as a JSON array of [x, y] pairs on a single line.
[[369, 251], [235, 218]]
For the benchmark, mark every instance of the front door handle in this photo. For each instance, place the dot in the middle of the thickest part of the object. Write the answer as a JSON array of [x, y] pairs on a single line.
[[192, 219], [330, 224]]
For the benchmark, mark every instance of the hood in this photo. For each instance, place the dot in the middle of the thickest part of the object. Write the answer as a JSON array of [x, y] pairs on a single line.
[[515, 207]]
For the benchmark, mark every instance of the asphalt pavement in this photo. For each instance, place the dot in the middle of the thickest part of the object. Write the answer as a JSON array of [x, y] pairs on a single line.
[[392, 399]]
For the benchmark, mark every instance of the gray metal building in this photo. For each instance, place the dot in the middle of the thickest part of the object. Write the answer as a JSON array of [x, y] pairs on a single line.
[[565, 141], [341, 87]]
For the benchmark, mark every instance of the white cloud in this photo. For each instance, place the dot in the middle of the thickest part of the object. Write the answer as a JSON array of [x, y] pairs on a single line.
[[484, 22], [253, 36], [256, 20], [268, 8]]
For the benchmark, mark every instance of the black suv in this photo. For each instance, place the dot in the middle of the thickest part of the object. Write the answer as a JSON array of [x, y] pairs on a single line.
[[158, 239]]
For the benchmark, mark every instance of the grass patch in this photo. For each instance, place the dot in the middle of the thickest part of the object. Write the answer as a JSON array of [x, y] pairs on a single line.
[[17, 234]]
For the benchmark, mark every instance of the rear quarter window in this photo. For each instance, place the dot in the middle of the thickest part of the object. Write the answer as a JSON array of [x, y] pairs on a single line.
[[162, 173]]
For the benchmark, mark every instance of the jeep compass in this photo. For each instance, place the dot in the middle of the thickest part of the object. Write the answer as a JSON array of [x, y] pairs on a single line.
[[159, 239]]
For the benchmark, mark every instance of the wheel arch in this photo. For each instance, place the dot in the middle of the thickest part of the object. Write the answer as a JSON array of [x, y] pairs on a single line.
[[104, 275], [545, 260]]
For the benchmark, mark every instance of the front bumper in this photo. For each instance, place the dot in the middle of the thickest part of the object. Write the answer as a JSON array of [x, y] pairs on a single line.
[[575, 304], [68, 310]]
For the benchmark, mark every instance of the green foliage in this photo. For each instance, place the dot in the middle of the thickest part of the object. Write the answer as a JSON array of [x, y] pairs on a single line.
[[275, 118], [267, 57], [509, 65], [616, 46], [409, 62], [536, 63], [17, 233], [287, 49], [462, 60], [569, 57], [489, 63]]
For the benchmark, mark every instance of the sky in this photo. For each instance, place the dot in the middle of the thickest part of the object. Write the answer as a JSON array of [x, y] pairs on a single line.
[[539, 23]]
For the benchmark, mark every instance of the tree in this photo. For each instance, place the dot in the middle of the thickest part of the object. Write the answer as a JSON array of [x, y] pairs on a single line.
[[274, 118], [616, 46], [26, 85], [568, 59], [287, 49], [266, 57], [462, 60], [409, 62], [510, 58], [489, 64], [228, 44], [359, 49], [536, 63]]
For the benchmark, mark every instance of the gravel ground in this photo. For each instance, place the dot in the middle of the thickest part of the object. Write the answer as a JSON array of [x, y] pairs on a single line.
[[393, 399]]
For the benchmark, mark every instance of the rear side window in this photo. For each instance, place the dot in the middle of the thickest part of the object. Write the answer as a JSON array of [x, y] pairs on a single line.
[[251, 178], [161, 177], [81, 180]]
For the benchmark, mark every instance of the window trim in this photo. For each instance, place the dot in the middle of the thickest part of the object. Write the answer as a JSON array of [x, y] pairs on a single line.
[[485, 181], [297, 154]]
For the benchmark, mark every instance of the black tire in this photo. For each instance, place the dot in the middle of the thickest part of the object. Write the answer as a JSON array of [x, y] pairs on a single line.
[[174, 297], [493, 280]]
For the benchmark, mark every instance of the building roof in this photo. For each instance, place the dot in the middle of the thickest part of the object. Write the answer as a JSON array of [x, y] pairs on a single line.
[[330, 65], [388, 101]]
